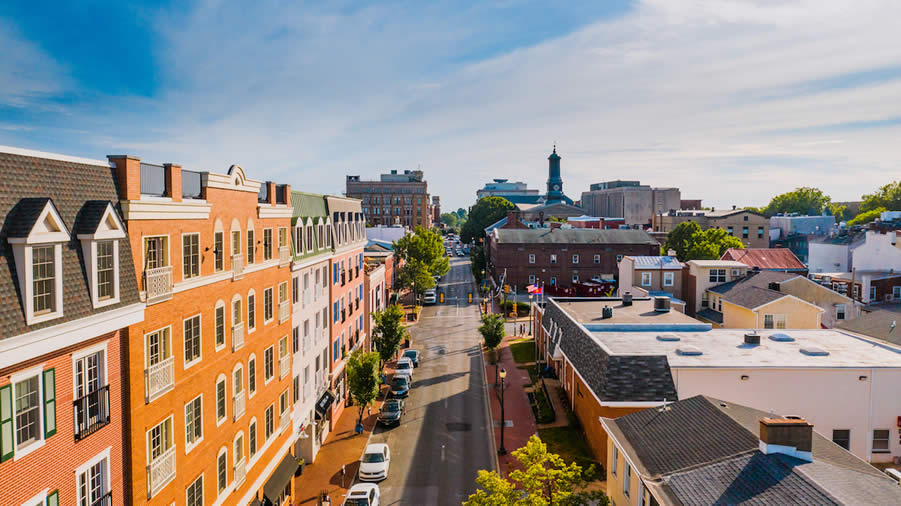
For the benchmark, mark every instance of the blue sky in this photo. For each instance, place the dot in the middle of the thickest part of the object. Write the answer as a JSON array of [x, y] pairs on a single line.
[[732, 101]]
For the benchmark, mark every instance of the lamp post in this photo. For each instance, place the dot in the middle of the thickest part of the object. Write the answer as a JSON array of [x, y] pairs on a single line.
[[502, 450], [530, 313]]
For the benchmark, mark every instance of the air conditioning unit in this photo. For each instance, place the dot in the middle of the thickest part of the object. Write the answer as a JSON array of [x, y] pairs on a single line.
[[889, 297]]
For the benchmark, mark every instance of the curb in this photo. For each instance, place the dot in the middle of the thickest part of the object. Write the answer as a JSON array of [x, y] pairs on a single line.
[[495, 460]]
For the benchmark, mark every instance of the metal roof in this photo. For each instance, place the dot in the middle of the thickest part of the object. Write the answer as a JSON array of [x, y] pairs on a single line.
[[572, 236]]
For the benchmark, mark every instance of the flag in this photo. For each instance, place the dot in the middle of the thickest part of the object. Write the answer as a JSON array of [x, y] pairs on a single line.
[[531, 288]]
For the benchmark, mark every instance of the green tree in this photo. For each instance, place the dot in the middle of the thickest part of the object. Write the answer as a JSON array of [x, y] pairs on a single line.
[[493, 331], [542, 479], [449, 219], [389, 332], [423, 258], [479, 262], [804, 200], [692, 243], [487, 211], [867, 216], [841, 212], [461, 214], [887, 196], [363, 379]]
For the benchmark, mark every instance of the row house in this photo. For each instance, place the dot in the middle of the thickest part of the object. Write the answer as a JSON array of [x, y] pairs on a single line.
[[312, 250], [210, 364], [345, 293], [375, 286], [69, 296]]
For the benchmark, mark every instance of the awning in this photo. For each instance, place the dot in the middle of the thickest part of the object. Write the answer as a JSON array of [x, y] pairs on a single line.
[[280, 478], [324, 402]]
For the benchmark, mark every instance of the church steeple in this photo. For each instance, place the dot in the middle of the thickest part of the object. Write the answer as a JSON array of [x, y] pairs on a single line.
[[554, 181]]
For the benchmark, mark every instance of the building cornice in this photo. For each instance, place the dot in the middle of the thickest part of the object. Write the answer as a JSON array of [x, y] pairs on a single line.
[[162, 208]]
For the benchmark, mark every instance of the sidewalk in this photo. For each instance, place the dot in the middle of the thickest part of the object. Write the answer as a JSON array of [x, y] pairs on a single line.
[[342, 446], [517, 410]]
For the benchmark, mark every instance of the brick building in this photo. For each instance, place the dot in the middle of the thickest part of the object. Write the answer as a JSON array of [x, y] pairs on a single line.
[[396, 198], [68, 297], [560, 257], [751, 227], [210, 365], [346, 297]]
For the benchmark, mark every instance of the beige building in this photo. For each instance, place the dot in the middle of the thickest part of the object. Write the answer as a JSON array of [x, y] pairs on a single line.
[[704, 274], [397, 198], [631, 200], [751, 227]]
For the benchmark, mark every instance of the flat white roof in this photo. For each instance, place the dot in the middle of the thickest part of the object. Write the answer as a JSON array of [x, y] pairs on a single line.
[[726, 348]]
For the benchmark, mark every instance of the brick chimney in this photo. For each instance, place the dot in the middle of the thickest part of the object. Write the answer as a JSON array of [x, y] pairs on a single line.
[[128, 172], [788, 436], [173, 181]]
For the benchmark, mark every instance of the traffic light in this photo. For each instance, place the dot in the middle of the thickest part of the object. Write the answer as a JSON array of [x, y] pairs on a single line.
[[441, 297], [506, 288], [470, 297]]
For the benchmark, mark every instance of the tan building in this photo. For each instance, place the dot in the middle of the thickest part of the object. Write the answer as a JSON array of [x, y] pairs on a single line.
[[653, 275], [751, 227], [631, 200], [704, 274], [397, 198]]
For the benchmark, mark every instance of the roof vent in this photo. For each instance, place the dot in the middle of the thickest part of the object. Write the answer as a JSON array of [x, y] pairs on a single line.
[[814, 351], [668, 337], [689, 350], [781, 338], [752, 338], [607, 312], [627, 299]]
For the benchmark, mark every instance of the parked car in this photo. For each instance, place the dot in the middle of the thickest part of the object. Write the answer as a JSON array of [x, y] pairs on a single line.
[[391, 412], [374, 462], [363, 494], [404, 366], [413, 355], [400, 385], [430, 297]]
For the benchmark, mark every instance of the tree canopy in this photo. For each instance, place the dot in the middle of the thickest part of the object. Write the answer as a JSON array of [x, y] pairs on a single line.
[[544, 479], [804, 200], [487, 211], [363, 379], [450, 219], [887, 196], [389, 331], [423, 257], [867, 216], [691, 243], [492, 329]]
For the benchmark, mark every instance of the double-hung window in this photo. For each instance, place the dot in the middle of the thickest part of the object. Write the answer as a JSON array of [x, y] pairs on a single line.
[[251, 312], [43, 262], [192, 339], [627, 479], [267, 244], [646, 278], [221, 409], [553, 259], [28, 414], [269, 421], [717, 275], [269, 364], [250, 247], [842, 437], [744, 232], [575, 259], [669, 278], [220, 325], [222, 470], [839, 311], [236, 242], [190, 255], [93, 481], [597, 259], [881, 440], [218, 251], [267, 305], [531, 258], [251, 375], [194, 492], [106, 274], [193, 422], [774, 321]]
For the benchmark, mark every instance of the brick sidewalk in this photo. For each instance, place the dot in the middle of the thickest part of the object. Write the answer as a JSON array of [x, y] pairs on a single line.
[[516, 409], [342, 446]]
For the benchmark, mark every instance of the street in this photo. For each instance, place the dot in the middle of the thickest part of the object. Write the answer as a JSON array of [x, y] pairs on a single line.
[[445, 437]]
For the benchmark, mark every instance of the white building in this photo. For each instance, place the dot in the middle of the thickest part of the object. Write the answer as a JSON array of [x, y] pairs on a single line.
[[384, 233], [310, 320]]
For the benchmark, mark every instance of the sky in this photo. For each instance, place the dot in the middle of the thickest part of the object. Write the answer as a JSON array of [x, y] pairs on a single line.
[[732, 101]]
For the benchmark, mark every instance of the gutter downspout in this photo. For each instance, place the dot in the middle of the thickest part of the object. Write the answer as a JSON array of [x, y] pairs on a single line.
[[870, 418]]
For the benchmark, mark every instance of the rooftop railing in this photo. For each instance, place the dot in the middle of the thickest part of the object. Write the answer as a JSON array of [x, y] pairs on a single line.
[[153, 180], [190, 184]]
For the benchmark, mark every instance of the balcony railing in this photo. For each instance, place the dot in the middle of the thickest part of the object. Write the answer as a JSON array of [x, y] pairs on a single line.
[[237, 267], [91, 412], [238, 405], [158, 284], [285, 420], [284, 255], [284, 366], [105, 500], [240, 472], [284, 311], [159, 378], [161, 471], [237, 336], [153, 180]]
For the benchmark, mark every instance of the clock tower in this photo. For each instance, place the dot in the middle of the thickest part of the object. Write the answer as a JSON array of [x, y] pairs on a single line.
[[554, 181]]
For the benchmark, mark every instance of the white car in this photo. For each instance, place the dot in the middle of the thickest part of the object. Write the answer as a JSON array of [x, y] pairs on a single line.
[[363, 494], [374, 462], [430, 297], [404, 366]]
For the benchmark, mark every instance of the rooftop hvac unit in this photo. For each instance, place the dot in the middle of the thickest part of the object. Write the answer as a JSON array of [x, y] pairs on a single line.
[[607, 312], [661, 304], [752, 338], [627, 299]]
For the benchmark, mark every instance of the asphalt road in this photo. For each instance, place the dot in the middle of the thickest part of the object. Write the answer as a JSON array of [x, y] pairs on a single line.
[[445, 437]]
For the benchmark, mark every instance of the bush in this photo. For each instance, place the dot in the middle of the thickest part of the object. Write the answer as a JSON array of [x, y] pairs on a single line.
[[522, 308], [545, 409]]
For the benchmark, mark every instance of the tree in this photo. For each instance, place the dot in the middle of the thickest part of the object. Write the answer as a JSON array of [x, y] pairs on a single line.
[[449, 219], [492, 330], [461, 215], [423, 255], [841, 212], [363, 379], [543, 480], [479, 262], [887, 196], [487, 211], [389, 331], [867, 217], [804, 200], [692, 243]]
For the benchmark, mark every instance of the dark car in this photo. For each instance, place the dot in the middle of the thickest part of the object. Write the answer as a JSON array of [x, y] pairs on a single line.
[[413, 355], [391, 411], [400, 386]]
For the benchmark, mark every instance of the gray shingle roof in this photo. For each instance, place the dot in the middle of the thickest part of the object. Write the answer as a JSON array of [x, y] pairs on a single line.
[[90, 215], [711, 315], [877, 322], [26, 183], [751, 291], [613, 378], [573, 236]]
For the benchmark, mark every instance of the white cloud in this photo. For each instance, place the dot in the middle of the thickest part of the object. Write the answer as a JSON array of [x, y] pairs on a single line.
[[27, 74]]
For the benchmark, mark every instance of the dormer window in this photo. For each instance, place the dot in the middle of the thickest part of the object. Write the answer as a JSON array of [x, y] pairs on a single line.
[[36, 239], [100, 230]]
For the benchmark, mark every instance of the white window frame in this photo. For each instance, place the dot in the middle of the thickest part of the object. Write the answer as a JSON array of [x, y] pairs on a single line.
[[191, 446], [776, 319], [531, 279], [251, 358], [627, 479], [188, 365], [268, 380], [171, 420], [888, 441], [714, 273], [14, 379], [271, 293], [256, 447], [647, 278], [100, 457], [89, 244], [531, 258], [669, 278], [597, 259], [190, 485], [238, 367], [575, 259], [575, 278], [269, 409], [223, 490], [553, 259], [248, 327], [221, 379], [841, 312], [199, 256], [220, 304], [614, 461]]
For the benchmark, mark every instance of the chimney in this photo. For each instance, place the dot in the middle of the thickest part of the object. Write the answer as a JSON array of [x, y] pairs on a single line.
[[128, 172], [173, 181], [788, 436]]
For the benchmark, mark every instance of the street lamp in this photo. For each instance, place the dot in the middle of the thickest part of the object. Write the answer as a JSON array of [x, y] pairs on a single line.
[[530, 313], [502, 450]]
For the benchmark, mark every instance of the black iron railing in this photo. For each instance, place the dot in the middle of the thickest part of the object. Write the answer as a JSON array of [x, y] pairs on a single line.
[[91, 412], [105, 500]]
